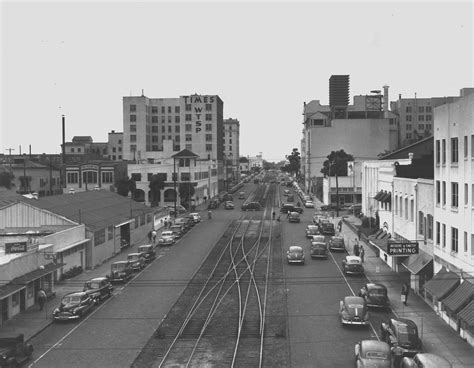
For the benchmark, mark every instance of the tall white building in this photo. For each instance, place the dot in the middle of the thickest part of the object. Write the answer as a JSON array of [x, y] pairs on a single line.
[[232, 149], [454, 185]]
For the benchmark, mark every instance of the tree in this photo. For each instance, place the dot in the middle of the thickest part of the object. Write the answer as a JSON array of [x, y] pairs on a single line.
[[295, 162], [6, 179], [186, 191], [336, 164], [157, 184], [125, 185]]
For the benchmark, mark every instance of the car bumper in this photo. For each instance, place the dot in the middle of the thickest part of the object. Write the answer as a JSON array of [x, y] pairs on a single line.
[[319, 255], [296, 261], [354, 272], [339, 249], [354, 322], [166, 243], [65, 317]]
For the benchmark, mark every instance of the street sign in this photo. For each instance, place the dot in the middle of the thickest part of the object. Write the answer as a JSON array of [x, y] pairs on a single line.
[[402, 248]]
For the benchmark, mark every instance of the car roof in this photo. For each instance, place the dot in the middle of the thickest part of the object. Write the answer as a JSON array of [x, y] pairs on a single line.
[[133, 254], [319, 244], [194, 214], [78, 293], [403, 322], [312, 227], [353, 259], [350, 299], [145, 245], [97, 279], [120, 262], [380, 346], [294, 248], [372, 285]]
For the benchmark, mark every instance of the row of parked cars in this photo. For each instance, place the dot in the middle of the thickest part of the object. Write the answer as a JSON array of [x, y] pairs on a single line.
[[77, 304]]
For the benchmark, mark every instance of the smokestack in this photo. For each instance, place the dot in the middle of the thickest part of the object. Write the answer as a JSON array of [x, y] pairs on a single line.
[[20, 149], [385, 98], [64, 140], [30, 149]]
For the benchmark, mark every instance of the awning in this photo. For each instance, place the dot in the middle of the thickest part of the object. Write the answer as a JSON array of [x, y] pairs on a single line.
[[442, 283], [379, 243], [378, 195], [125, 222], [20, 282], [387, 197], [467, 314], [417, 262], [72, 245], [459, 297]]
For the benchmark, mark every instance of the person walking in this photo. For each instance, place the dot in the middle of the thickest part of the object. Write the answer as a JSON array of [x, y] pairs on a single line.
[[153, 233], [356, 248], [405, 292], [361, 252], [359, 233], [273, 215], [166, 223], [41, 298], [149, 236]]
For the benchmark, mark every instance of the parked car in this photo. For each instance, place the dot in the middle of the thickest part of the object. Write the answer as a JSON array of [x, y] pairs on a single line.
[[99, 288], [353, 311], [318, 218], [137, 261], [14, 351], [241, 195], [375, 295], [74, 306], [373, 354], [309, 204], [229, 205], [311, 230], [294, 217], [251, 206], [213, 204], [425, 360], [355, 209], [120, 271], [318, 238], [148, 251], [167, 238], [286, 192], [183, 222], [290, 207], [352, 265], [178, 231], [227, 198], [295, 254], [196, 217], [327, 228], [319, 250], [402, 333], [337, 243], [180, 209]]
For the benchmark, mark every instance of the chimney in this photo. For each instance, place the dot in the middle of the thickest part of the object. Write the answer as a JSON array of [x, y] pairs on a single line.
[[386, 102]]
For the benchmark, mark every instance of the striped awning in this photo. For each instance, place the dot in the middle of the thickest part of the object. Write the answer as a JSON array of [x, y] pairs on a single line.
[[442, 283], [378, 195], [417, 262], [463, 294], [387, 197], [467, 314]]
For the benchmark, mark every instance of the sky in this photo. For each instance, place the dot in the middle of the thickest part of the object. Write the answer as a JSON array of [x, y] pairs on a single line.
[[264, 59]]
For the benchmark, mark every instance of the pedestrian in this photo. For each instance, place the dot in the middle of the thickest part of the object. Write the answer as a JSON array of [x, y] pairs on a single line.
[[41, 298], [166, 223], [153, 233], [405, 292], [362, 252], [339, 225], [356, 248], [273, 215], [205, 199], [149, 236], [359, 232]]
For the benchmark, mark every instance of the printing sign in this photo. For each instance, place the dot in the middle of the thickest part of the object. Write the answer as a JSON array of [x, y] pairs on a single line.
[[17, 247], [402, 248]]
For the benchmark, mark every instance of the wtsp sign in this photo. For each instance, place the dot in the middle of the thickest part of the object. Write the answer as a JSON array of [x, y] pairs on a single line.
[[402, 248]]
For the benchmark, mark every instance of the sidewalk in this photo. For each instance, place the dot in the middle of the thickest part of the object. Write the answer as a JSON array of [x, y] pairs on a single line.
[[33, 321]]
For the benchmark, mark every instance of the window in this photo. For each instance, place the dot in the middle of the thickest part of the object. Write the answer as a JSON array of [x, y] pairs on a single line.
[[169, 119], [189, 138], [408, 126], [176, 119], [154, 119], [177, 129], [133, 118], [72, 178], [133, 148], [188, 107], [465, 242], [421, 117], [107, 177], [162, 119], [408, 109], [408, 135], [208, 117], [465, 147], [444, 193], [444, 236], [169, 109], [466, 194], [136, 176], [176, 109], [443, 153], [428, 109], [454, 239], [420, 223], [208, 137], [185, 176], [133, 108], [149, 176], [154, 138], [412, 210], [421, 109], [133, 138], [429, 227], [188, 127], [163, 129], [162, 109], [454, 194], [189, 147], [154, 110], [154, 129], [438, 152], [208, 147], [438, 192], [169, 128], [408, 118], [133, 128], [208, 127], [230, 141], [429, 117], [421, 127], [188, 117], [406, 208], [438, 233], [230, 148], [454, 150], [208, 107], [176, 138]]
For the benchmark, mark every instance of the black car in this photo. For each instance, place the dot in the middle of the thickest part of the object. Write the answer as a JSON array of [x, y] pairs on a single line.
[[375, 295], [251, 206], [337, 243], [120, 271], [74, 306], [327, 228], [99, 288], [148, 251], [402, 333]]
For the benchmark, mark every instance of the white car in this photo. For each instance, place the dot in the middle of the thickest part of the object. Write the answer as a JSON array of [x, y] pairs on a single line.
[[309, 204], [196, 217], [167, 238]]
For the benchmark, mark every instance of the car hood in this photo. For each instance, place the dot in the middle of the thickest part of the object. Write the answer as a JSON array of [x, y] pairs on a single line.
[[356, 311], [65, 307], [295, 255], [375, 363]]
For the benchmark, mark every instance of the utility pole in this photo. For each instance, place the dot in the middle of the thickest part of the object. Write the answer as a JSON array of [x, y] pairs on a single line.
[[10, 159], [174, 186]]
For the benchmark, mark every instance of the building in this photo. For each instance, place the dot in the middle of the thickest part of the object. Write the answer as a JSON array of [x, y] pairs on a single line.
[[256, 161], [84, 148], [93, 175], [115, 146], [368, 119], [231, 150], [346, 189], [244, 165]]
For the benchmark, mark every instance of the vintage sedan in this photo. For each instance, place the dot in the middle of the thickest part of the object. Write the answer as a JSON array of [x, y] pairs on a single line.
[[311, 230], [425, 360], [352, 265], [229, 205], [148, 251], [178, 231], [309, 204], [375, 295], [74, 306], [295, 254], [319, 250], [137, 261], [167, 238], [327, 228], [373, 354], [402, 333], [318, 238], [353, 311], [337, 243], [14, 350], [120, 271], [196, 217], [99, 288], [294, 217]]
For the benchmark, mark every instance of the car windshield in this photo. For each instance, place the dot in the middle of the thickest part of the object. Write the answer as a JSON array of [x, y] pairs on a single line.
[[93, 285], [72, 299], [377, 292], [143, 249], [318, 245], [337, 241], [132, 257], [118, 266], [353, 261], [376, 355], [167, 233], [296, 250]]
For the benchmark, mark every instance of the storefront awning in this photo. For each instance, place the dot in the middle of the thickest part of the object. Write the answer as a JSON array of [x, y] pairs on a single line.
[[467, 314], [380, 242], [459, 297], [20, 282], [378, 195], [442, 283], [417, 262]]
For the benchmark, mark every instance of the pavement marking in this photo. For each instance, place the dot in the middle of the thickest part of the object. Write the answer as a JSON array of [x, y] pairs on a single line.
[[352, 291]]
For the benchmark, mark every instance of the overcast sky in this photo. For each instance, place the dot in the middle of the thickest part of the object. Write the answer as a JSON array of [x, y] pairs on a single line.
[[264, 59]]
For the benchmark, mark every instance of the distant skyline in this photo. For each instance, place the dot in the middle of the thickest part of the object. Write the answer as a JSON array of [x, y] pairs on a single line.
[[264, 59]]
